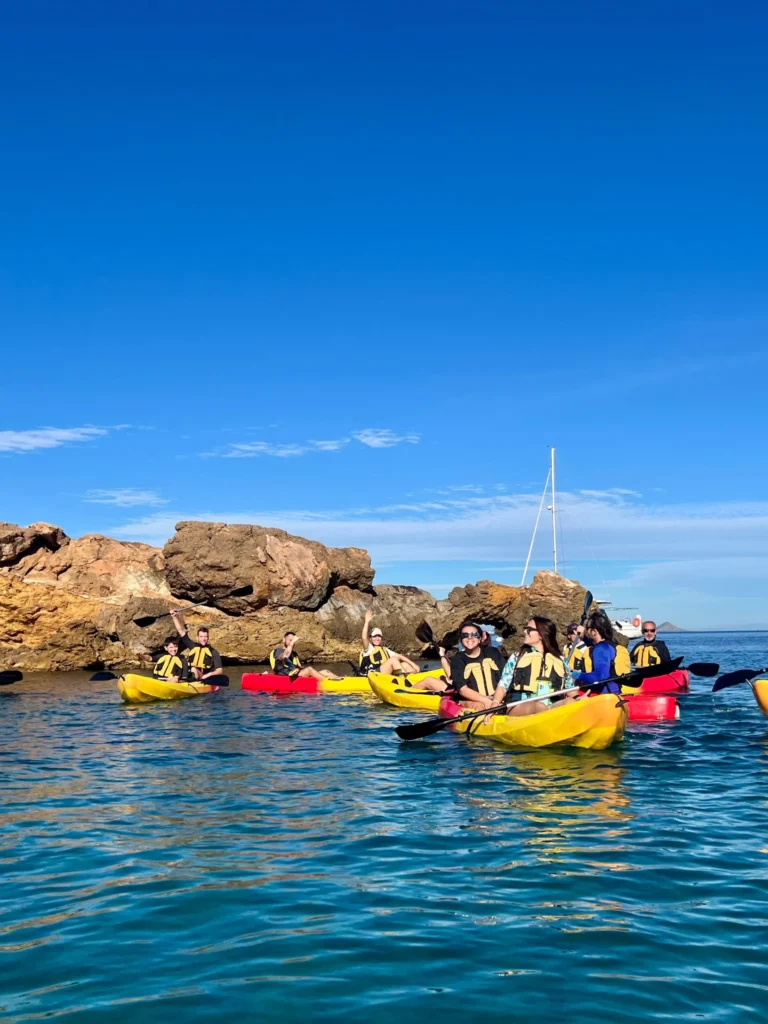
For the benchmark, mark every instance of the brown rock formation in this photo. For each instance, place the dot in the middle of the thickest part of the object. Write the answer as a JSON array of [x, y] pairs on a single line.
[[67, 604], [205, 560]]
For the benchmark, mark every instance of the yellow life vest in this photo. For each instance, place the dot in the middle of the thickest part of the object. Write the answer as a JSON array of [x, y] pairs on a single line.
[[622, 664], [294, 661], [169, 665], [373, 658], [536, 675], [200, 657], [645, 655], [577, 657]]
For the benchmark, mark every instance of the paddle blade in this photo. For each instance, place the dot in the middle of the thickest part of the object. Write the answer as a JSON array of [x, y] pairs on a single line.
[[425, 635], [146, 620], [218, 681], [705, 669], [422, 729], [588, 599], [11, 676], [100, 677], [741, 675]]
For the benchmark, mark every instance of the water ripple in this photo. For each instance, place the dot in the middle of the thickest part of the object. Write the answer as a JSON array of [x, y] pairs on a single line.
[[289, 859]]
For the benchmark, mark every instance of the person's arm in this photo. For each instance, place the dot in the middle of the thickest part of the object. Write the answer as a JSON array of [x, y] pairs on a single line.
[[601, 666], [178, 620], [217, 669], [366, 624], [663, 650], [445, 663], [467, 693]]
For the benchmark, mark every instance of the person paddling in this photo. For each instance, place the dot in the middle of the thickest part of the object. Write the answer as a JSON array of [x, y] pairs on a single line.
[[204, 661], [604, 655], [170, 665], [536, 670], [650, 650], [375, 657], [284, 661]]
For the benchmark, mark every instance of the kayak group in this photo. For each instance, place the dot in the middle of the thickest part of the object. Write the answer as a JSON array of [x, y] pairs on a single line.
[[477, 675]]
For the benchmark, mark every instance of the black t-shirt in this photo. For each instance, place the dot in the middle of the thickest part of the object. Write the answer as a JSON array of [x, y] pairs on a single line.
[[481, 674], [206, 658]]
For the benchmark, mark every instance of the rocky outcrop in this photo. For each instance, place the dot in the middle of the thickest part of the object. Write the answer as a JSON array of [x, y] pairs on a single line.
[[203, 561], [71, 603]]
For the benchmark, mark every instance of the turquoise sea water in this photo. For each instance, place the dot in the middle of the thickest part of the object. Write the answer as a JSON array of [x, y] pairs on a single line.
[[289, 859]]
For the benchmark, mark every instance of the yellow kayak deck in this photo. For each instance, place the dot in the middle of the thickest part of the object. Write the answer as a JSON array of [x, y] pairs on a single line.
[[400, 692], [593, 724], [137, 689], [760, 690]]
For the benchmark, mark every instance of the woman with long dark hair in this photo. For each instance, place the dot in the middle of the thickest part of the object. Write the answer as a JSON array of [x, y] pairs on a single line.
[[536, 670]]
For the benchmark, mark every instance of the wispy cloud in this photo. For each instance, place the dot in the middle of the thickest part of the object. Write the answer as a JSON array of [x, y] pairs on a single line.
[[124, 497], [20, 441], [499, 526], [375, 438], [371, 437], [254, 449]]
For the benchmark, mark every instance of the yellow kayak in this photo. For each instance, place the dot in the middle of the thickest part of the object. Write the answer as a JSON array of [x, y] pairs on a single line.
[[399, 691], [760, 689], [136, 689], [593, 724]]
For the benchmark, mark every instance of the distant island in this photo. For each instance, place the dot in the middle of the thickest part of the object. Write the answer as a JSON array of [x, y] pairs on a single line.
[[669, 627]]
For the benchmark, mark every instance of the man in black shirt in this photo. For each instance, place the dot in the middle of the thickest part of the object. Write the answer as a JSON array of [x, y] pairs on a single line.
[[649, 650], [203, 660]]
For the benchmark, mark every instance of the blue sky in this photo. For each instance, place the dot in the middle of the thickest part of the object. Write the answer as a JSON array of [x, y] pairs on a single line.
[[350, 269]]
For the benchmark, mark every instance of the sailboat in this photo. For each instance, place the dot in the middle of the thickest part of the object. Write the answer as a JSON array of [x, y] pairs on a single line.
[[628, 624]]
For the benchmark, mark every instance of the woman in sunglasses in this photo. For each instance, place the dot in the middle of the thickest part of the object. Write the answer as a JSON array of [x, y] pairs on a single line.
[[537, 670]]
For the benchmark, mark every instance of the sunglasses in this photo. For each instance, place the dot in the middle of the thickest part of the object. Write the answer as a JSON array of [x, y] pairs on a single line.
[[649, 630], [530, 629], [470, 636]]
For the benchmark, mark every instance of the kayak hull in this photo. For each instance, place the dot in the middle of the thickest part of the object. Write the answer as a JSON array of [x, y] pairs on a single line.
[[678, 681], [652, 707], [137, 689], [394, 690], [760, 690], [591, 724], [266, 683]]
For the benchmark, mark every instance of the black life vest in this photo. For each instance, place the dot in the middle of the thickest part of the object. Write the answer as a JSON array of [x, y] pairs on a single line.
[[169, 666]]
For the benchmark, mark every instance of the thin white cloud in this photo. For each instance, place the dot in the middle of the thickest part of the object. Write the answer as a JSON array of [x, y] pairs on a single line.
[[329, 446], [376, 438], [20, 441], [254, 449], [124, 497], [371, 438], [500, 526]]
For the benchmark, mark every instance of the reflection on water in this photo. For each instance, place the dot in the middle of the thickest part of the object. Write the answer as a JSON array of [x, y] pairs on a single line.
[[290, 859]]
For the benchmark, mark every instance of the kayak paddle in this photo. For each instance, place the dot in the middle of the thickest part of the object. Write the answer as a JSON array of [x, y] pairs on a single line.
[[11, 676], [421, 729], [705, 669], [741, 675], [147, 620]]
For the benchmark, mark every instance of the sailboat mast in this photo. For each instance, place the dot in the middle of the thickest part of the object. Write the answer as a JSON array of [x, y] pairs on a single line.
[[554, 510]]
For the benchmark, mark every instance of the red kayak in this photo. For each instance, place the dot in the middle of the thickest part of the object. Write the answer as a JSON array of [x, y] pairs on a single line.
[[651, 707], [678, 681], [266, 683]]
